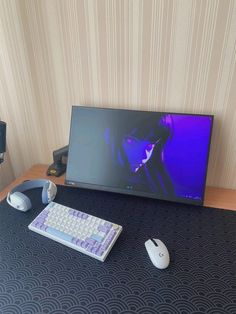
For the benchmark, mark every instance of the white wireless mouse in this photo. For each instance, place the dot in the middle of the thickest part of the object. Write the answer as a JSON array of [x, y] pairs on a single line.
[[158, 253]]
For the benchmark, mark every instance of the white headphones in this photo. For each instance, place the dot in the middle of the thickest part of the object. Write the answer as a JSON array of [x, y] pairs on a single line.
[[20, 201]]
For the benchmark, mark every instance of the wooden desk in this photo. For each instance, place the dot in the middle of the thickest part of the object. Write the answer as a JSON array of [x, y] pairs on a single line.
[[215, 197]]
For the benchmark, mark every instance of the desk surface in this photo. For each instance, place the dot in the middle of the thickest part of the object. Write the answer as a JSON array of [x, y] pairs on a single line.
[[39, 275], [215, 197]]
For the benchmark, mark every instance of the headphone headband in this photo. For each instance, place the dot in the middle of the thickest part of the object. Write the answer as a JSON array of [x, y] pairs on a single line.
[[31, 184]]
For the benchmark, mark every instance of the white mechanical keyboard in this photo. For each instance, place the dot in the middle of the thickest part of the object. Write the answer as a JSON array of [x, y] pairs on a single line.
[[80, 231]]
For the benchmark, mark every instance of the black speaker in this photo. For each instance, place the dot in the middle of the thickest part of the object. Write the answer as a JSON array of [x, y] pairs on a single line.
[[3, 128]]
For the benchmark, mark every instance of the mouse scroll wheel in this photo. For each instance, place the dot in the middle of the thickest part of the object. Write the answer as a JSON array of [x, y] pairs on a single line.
[[154, 242]]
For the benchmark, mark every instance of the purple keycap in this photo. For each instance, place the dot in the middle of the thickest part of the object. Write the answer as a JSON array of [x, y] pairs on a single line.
[[94, 250], [84, 216], [79, 242], [103, 228], [34, 223], [71, 211], [40, 220], [89, 248], [108, 240], [91, 241], [43, 227], [84, 244], [38, 224], [99, 252], [43, 216], [44, 213], [108, 224], [74, 240], [97, 245], [105, 244], [111, 234], [75, 213]]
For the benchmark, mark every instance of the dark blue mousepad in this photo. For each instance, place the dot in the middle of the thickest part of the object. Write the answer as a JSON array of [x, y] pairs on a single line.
[[39, 275]]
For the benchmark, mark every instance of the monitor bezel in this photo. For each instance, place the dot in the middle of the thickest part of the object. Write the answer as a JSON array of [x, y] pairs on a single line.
[[92, 186]]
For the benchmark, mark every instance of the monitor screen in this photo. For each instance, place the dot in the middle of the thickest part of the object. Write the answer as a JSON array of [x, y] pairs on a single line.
[[151, 154]]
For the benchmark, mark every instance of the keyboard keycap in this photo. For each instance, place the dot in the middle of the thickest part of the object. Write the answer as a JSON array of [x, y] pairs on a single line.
[[59, 234]]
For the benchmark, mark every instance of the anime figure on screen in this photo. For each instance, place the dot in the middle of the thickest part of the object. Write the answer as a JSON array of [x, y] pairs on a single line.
[[137, 153]]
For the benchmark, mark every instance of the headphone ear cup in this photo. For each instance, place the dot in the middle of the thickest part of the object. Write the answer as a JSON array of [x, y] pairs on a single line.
[[45, 193], [20, 201]]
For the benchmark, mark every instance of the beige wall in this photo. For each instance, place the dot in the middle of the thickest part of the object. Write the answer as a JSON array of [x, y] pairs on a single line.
[[156, 55]]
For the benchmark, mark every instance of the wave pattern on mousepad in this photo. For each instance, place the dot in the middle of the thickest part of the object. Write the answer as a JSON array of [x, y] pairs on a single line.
[[38, 275]]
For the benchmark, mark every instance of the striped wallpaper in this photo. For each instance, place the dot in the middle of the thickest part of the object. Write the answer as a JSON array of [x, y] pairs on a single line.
[[162, 55]]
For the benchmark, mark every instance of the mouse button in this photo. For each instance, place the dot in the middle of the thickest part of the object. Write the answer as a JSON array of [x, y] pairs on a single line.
[[148, 244], [154, 242], [161, 245]]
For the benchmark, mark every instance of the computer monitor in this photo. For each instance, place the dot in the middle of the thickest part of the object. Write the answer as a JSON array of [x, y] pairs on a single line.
[[151, 154]]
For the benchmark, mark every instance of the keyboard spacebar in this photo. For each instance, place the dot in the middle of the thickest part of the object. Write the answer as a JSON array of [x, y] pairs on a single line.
[[59, 234]]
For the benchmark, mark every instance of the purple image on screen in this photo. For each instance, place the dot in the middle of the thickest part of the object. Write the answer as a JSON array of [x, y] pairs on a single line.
[[138, 151], [166, 155], [186, 154]]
